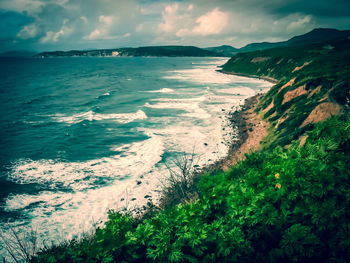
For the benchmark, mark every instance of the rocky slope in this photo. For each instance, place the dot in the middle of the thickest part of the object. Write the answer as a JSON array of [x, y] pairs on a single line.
[[313, 84]]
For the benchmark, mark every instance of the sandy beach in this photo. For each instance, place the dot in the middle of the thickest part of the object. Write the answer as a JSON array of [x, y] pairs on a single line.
[[272, 80]]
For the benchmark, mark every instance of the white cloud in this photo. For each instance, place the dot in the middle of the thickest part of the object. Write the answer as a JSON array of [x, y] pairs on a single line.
[[85, 20], [170, 18], [106, 20], [211, 23], [180, 21], [139, 28], [102, 31], [54, 36], [28, 31], [300, 24], [183, 32], [93, 35], [48, 37]]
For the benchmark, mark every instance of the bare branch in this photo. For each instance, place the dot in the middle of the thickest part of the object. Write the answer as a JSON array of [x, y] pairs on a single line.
[[20, 244], [180, 182]]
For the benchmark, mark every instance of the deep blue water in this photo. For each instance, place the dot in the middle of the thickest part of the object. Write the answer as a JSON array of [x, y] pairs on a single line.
[[78, 133]]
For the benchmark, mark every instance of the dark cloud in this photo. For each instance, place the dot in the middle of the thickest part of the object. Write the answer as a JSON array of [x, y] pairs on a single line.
[[335, 8], [11, 23], [78, 24]]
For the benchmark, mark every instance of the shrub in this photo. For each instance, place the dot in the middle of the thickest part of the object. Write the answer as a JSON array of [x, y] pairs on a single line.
[[279, 205]]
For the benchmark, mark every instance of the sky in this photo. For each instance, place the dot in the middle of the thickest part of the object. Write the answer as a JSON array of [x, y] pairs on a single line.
[[47, 25]]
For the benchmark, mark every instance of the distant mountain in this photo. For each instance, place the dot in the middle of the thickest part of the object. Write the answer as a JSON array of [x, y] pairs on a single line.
[[261, 46], [318, 35], [154, 51], [17, 53], [225, 50]]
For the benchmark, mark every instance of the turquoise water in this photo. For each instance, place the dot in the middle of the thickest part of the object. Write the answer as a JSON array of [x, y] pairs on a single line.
[[79, 135]]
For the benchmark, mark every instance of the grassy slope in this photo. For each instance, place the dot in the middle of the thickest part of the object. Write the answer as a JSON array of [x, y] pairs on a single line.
[[283, 204], [328, 67]]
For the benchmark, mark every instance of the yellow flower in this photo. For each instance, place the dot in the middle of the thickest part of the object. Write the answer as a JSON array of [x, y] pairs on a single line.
[[277, 175], [278, 186]]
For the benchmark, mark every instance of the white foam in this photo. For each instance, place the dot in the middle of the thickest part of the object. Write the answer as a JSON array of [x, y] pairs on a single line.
[[21, 201], [136, 159], [182, 100], [92, 116], [191, 105], [61, 215], [199, 75], [164, 90], [206, 73], [205, 139], [245, 91], [215, 63]]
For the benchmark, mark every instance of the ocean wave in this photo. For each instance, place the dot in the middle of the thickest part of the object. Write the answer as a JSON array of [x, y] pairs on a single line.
[[202, 75], [73, 212], [164, 90], [182, 100], [92, 116], [137, 158], [104, 95], [238, 91]]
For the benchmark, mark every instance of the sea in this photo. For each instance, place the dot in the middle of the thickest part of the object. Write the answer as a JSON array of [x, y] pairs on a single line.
[[80, 136]]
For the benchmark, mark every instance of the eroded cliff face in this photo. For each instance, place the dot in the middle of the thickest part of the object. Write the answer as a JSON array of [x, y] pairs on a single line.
[[313, 85], [294, 107]]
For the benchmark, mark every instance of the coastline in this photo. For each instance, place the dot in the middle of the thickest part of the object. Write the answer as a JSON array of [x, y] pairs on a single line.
[[251, 130], [272, 80]]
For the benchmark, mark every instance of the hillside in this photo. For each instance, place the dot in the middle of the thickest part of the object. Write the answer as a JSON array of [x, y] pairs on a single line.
[[314, 83], [154, 51], [225, 50], [318, 35], [287, 202]]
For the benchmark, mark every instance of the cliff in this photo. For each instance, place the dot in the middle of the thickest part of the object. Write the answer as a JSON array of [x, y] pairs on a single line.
[[313, 84]]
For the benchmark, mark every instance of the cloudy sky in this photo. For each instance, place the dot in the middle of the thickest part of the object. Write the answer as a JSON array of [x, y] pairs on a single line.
[[82, 24]]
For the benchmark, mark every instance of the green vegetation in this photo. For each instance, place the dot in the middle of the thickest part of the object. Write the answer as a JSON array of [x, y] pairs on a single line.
[[287, 203], [321, 72], [317, 35], [279, 63], [280, 205], [224, 50], [154, 51]]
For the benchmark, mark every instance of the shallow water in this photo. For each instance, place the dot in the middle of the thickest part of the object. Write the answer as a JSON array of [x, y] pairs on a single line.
[[79, 135]]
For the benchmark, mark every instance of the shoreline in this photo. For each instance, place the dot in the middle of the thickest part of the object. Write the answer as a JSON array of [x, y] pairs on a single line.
[[251, 130], [269, 79]]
